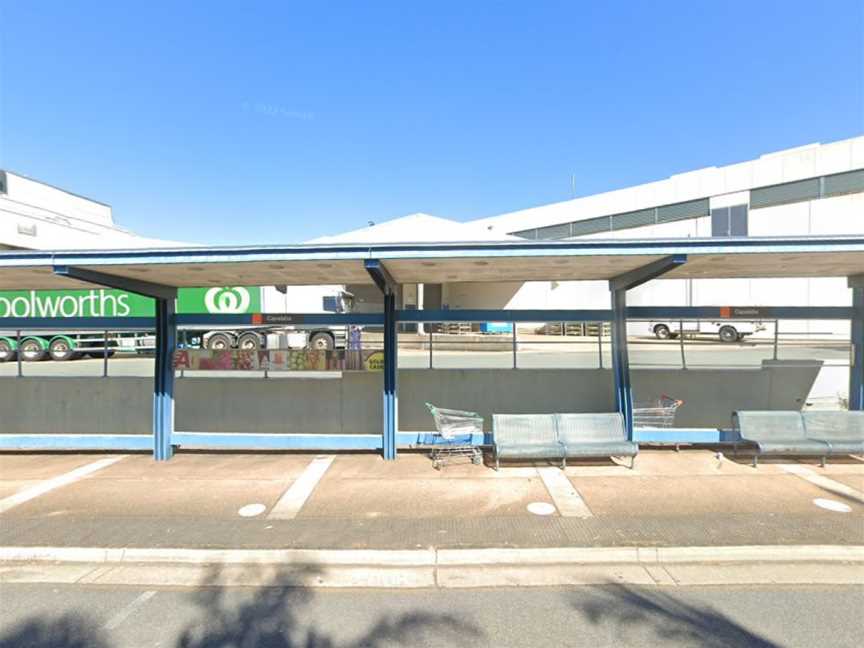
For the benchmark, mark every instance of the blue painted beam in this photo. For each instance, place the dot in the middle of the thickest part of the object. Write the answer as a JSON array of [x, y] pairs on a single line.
[[475, 315], [643, 274], [381, 276], [76, 442], [163, 390], [739, 312], [684, 435], [391, 402], [856, 368], [618, 287], [157, 291]]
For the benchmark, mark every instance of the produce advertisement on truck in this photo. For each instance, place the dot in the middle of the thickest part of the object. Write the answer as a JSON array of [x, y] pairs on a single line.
[[103, 302]]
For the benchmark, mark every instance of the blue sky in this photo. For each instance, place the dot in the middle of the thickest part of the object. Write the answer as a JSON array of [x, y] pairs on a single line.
[[278, 122]]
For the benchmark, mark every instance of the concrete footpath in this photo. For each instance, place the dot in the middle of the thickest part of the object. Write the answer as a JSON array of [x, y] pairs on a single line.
[[689, 517]]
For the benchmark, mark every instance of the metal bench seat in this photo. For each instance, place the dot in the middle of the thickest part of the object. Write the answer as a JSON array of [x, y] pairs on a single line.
[[595, 435], [812, 433], [525, 436], [842, 431], [558, 436]]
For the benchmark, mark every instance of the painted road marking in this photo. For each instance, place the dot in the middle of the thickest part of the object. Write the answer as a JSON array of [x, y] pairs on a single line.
[[295, 497], [567, 499], [124, 612], [823, 482], [56, 482]]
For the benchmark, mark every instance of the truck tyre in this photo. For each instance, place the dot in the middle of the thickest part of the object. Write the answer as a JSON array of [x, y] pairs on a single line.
[[249, 342], [32, 351], [322, 342], [61, 350], [7, 351], [219, 342], [662, 332], [728, 334]]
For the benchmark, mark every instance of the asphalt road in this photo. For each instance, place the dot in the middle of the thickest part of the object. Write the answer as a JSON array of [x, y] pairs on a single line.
[[43, 616]]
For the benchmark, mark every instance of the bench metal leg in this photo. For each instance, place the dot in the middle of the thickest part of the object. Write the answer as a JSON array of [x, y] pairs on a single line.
[[677, 447], [563, 463], [823, 462], [632, 462], [734, 449], [755, 460]]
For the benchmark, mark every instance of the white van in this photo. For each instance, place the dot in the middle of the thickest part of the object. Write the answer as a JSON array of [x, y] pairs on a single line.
[[727, 331]]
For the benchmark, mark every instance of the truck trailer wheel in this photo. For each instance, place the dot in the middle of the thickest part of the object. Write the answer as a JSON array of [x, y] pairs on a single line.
[[32, 350], [662, 332], [249, 342], [729, 334], [322, 342], [219, 342], [61, 350], [7, 351]]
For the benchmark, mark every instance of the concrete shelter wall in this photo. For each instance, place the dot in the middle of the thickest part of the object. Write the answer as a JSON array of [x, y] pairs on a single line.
[[353, 404]]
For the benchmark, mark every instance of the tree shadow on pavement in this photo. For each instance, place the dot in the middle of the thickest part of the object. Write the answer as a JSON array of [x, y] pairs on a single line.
[[669, 618], [67, 631], [272, 617]]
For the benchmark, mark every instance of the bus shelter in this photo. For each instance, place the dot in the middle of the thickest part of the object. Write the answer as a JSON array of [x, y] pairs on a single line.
[[624, 264]]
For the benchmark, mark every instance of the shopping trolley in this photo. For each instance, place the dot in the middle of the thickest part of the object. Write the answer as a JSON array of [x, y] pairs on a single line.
[[455, 430], [657, 413]]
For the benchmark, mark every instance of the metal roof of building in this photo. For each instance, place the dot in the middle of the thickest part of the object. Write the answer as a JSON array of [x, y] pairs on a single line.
[[412, 262]]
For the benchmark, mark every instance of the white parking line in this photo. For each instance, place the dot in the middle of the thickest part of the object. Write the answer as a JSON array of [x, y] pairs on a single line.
[[567, 499], [125, 611], [823, 482], [295, 497], [56, 482]]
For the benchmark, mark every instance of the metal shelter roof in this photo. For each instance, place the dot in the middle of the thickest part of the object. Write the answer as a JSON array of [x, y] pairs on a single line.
[[409, 262]]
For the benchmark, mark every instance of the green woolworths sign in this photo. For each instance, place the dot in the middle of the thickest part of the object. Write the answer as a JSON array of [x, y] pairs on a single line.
[[117, 303]]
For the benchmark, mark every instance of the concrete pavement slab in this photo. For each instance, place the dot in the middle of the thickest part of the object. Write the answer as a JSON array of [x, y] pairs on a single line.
[[650, 496], [428, 498], [20, 466], [142, 497], [10, 487], [211, 466]]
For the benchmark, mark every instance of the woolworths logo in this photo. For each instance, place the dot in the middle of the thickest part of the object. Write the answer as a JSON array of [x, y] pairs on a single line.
[[79, 303], [227, 300]]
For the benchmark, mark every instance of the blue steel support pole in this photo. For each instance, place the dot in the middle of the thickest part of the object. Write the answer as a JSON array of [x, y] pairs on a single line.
[[163, 392], [390, 370], [856, 370], [621, 360]]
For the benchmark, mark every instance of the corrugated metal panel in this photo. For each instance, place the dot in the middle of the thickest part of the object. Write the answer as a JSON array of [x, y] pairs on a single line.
[[526, 234], [553, 232], [782, 194], [683, 211], [844, 183], [590, 226], [638, 218]]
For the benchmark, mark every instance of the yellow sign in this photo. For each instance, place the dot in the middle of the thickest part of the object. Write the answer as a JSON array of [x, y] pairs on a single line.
[[375, 361]]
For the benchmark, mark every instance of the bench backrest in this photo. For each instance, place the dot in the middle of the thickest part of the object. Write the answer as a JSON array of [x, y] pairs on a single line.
[[575, 428], [767, 425], [834, 425], [524, 429]]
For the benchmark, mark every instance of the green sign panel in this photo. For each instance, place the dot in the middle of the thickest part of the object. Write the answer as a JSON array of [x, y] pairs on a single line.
[[117, 303]]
